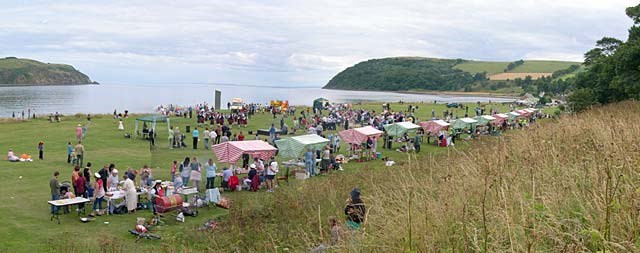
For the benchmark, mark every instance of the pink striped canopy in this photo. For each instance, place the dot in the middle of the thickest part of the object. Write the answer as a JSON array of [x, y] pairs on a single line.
[[232, 151], [523, 113], [434, 126], [359, 135]]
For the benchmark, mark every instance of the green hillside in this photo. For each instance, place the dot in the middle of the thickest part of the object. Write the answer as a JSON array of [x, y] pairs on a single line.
[[491, 67], [542, 66], [15, 71], [402, 74], [417, 73]]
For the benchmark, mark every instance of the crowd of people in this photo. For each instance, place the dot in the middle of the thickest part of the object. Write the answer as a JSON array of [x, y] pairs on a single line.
[[214, 127]]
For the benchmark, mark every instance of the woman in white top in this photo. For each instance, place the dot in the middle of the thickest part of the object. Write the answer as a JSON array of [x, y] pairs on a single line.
[[131, 195], [271, 174], [113, 181]]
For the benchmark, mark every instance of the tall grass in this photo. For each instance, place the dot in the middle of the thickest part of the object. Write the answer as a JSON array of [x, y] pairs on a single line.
[[569, 185]]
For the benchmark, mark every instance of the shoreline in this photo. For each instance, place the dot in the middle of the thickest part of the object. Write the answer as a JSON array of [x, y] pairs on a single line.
[[460, 94], [439, 93], [35, 85]]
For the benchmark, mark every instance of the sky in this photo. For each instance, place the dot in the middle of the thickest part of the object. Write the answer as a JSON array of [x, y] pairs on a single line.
[[293, 42]]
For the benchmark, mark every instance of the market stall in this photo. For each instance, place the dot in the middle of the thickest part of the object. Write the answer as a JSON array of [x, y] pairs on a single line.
[[153, 119], [500, 118], [320, 103], [434, 126], [524, 113], [464, 123], [293, 147], [232, 151], [359, 135], [484, 120], [513, 115], [400, 128]]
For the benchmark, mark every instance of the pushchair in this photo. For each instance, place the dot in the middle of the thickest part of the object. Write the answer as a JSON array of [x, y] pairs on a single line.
[[182, 143]]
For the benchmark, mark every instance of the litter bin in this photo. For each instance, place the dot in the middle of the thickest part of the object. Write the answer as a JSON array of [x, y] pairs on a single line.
[[188, 129]]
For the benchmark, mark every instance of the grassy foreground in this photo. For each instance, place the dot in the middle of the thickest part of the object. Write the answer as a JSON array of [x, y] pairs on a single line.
[[293, 218]]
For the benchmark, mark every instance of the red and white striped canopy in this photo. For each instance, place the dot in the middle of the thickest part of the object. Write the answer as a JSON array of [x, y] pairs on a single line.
[[434, 126], [359, 135], [232, 151]]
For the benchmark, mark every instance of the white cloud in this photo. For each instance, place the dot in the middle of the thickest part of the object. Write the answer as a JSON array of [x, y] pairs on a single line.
[[288, 42]]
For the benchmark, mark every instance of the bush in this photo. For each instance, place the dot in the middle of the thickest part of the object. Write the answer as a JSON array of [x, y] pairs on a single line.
[[581, 99]]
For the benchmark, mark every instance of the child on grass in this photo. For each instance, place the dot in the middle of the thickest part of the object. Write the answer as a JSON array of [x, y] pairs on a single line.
[[74, 157], [66, 194], [337, 233]]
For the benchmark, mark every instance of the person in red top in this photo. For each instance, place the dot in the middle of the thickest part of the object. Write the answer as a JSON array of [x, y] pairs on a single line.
[[80, 184], [174, 167], [234, 181], [74, 176], [240, 136], [156, 192]]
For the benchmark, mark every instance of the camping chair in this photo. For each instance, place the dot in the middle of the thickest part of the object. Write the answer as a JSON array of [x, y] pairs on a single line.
[[285, 177]]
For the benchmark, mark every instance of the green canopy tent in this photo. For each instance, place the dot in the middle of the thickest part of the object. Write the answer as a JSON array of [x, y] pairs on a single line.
[[153, 119], [400, 128], [485, 120], [464, 123], [513, 115], [294, 146], [319, 103]]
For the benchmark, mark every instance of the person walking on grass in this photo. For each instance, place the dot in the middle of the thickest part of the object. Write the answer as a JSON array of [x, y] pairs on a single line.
[[213, 136], [195, 135], [98, 195], [211, 174], [206, 138], [79, 132], [218, 134], [69, 151], [171, 138], [41, 150], [80, 153], [55, 190]]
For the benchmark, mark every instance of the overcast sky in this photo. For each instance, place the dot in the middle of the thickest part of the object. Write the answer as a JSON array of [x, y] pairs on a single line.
[[293, 43]]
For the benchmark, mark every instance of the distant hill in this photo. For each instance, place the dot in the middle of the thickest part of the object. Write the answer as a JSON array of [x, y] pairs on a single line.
[[15, 71], [417, 73]]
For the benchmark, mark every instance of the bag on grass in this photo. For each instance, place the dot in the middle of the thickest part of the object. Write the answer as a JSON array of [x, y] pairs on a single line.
[[224, 203], [122, 209]]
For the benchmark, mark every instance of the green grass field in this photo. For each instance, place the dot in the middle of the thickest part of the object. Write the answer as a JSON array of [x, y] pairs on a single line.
[[482, 66], [535, 66], [25, 226], [529, 66]]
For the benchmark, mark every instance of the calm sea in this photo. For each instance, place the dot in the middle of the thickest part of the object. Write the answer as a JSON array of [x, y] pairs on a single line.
[[105, 98]]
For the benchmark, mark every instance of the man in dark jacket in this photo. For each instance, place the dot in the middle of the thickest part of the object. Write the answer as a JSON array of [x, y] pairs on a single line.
[[355, 210]]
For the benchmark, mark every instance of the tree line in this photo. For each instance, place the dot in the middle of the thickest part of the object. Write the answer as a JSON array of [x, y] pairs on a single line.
[[612, 73]]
